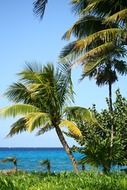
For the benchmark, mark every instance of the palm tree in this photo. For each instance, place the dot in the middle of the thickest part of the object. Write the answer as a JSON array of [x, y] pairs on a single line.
[[105, 70], [106, 74], [41, 97], [91, 39], [97, 47]]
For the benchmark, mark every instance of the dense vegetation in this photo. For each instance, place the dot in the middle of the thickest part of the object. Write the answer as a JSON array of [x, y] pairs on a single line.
[[66, 181], [98, 145]]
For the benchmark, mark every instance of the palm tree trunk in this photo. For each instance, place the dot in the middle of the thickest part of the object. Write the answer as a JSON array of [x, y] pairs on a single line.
[[67, 148], [110, 96], [112, 128]]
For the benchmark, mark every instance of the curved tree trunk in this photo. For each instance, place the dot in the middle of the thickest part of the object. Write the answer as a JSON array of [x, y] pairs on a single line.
[[67, 148]]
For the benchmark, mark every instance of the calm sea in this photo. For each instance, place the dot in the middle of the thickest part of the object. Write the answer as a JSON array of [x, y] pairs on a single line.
[[29, 158]]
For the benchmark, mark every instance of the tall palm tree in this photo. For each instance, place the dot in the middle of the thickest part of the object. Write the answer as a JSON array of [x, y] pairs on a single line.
[[105, 70], [98, 40], [41, 97], [108, 53]]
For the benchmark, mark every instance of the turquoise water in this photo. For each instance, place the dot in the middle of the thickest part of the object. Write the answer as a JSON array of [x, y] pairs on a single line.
[[29, 158]]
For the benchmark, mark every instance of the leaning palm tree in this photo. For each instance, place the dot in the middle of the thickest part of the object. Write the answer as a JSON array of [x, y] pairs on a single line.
[[41, 97]]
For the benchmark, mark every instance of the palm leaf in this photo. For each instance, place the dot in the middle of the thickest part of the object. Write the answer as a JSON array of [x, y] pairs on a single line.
[[18, 127], [120, 66], [120, 16], [18, 109], [78, 5], [85, 26], [18, 92], [35, 120], [106, 35], [47, 127], [100, 7], [80, 113], [79, 47], [98, 51], [39, 7], [71, 126], [30, 76], [90, 66]]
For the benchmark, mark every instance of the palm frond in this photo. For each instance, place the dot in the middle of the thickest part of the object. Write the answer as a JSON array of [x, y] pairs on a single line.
[[90, 66], [18, 127], [96, 52], [106, 35], [78, 6], [68, 49], [31, 73], [85, 26], [65, 83], [45, 128], [120, 66], [79, 47], [120, 17], [18, 109], [71, 126], [35, 120], [101, 7], [18, 92], [80, 113], [39, 7]]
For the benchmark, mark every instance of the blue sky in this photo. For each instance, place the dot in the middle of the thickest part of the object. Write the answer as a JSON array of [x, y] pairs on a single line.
[[24, 38]]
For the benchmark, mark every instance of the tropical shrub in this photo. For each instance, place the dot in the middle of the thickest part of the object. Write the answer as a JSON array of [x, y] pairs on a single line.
[[104, 143]]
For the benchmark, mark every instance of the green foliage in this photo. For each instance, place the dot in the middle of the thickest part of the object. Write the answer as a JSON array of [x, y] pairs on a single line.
[[66, 181], [100, 28], [41, 97], [96, 143]]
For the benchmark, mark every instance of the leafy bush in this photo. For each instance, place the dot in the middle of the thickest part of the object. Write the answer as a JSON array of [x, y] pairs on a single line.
[[104, 143]]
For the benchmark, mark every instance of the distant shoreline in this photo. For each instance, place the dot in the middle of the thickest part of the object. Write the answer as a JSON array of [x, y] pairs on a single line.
[[1, 148]]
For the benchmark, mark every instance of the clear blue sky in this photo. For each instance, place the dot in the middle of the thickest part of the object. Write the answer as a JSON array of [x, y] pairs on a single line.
[[24, 38]]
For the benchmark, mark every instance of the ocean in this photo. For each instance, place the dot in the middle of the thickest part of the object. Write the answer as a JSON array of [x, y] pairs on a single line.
[[28, 159]]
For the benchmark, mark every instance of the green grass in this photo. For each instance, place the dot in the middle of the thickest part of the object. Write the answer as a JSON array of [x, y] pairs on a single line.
[[63, 181]]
